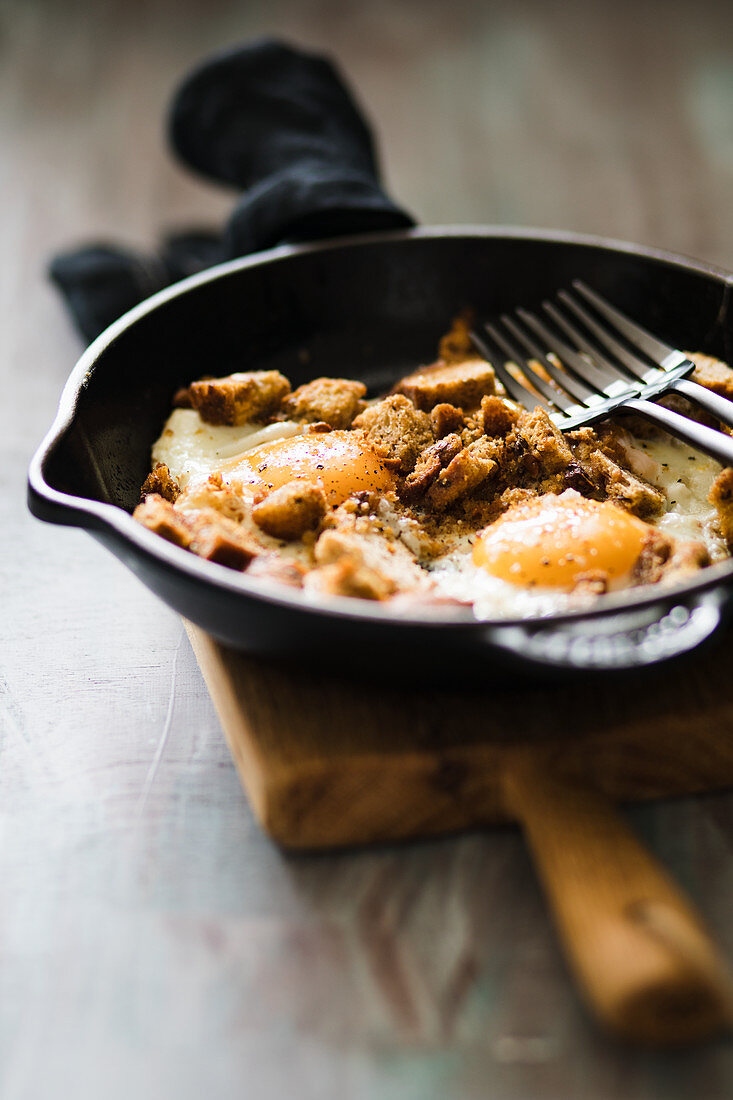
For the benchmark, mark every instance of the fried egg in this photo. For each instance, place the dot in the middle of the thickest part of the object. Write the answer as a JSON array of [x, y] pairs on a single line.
[[341, 463], [255, 458], [550, 541], [193, 449]]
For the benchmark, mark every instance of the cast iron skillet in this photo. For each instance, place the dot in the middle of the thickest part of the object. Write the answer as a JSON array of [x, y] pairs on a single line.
[[367, 307]]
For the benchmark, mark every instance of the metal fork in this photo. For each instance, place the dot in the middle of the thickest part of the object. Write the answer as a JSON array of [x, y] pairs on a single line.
[[594, 374]]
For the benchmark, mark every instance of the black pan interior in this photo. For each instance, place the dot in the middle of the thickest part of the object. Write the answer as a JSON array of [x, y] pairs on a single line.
[[368, 310]]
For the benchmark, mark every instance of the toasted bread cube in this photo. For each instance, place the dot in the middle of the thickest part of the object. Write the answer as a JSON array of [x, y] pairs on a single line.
[[446, 419], [469, 469], [721, 495], [396, 430], [291, 510], [712, 374], [162, 483], [463, 383], [159, 516], [334, 401], [545, 441], [239, 398], [498, 416], [222, 540]]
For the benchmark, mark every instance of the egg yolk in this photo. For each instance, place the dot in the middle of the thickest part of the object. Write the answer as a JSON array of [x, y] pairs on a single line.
[[342, 463], [551, 540]]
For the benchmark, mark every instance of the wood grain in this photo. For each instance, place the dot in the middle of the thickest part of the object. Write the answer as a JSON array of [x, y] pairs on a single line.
[[327, 762]]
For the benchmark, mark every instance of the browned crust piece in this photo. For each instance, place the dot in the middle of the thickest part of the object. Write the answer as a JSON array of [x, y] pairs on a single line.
[[158, 515], [290, 511], [545, 441], [463, 383], [221, 540], [334, 401], [396, 430], [162, 483], [498, 416], [432, 460], [217, 494], [240, 397], [721, 495], [594, 582], [624, 488], [712, 374], [457, 343], [344, 572], [612, 481], [271, 567], [469, 469], [446, 419], [665, 558], [206, 533]]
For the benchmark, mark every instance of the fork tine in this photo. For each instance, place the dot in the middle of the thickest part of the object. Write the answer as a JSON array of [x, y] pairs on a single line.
[[512, 385], [600, 379], [656, 349], [631, 362], [567, 382], [514, 355], [600, 368]]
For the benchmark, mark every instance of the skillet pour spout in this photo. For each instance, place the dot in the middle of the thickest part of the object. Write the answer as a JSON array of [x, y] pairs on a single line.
[[371, 307]]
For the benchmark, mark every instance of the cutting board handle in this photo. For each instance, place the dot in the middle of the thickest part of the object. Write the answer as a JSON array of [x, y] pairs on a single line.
[[642, 957]]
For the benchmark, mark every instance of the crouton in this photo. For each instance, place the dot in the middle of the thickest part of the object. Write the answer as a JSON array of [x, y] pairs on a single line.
[[291, 510], [688, 556], [239, 398], [432, 460], [345, 569], [162, 483], [545, 441], [360, 560], [221, 540], [396, 430], [457, 343], [214, 493], [446, 419], [351, 578], [666, 559], [721, 495], [712, 374], [624, 488], [159, 515], [334, 401], [498, 415], [594, 582], [463, 383], [655, 553], [471, 466], [272, 567]]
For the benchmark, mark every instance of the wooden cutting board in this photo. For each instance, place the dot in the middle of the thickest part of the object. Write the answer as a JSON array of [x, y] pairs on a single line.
[[326, 763]]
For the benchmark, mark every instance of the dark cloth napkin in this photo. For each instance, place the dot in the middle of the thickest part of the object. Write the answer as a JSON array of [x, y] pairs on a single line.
[[277, 124]]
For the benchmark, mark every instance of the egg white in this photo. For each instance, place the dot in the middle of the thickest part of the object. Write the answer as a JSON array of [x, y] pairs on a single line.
[[193, 449]]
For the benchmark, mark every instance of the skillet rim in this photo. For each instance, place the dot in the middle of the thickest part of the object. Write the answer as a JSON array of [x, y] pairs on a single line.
[[106, 519]]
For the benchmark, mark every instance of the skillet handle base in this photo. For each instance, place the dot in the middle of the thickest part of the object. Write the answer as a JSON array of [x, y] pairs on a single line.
[[620, 641], [643, 960]]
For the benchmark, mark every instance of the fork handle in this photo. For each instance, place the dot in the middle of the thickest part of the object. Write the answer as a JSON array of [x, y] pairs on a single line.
[[706, 439], [720, 407]]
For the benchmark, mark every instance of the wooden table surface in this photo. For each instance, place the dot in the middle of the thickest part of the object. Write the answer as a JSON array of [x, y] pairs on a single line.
[[153, 943]]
